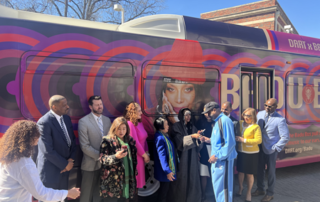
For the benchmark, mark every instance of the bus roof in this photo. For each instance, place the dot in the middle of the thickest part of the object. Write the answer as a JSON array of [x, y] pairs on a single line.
[[188, 28]]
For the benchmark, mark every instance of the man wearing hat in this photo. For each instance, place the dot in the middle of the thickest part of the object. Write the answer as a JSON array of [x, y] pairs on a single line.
[[223, 152]]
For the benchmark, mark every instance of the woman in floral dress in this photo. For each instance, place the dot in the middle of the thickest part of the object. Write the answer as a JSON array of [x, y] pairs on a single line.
[[118, 157]]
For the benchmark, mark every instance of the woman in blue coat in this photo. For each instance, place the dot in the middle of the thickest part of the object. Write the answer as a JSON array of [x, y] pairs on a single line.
[[165, 157]]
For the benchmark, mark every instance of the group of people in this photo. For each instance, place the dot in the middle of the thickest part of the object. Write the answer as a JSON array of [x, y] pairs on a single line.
[[115, 154]]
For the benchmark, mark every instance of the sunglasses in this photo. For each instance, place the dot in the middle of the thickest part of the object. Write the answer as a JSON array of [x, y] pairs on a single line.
[[247, 115], [268, 106]]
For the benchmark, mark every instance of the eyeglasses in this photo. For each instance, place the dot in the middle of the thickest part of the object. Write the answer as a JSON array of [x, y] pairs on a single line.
[[268, 106], [247, 115]]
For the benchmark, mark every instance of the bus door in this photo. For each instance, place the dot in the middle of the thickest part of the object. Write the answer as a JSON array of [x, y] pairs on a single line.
[[256, 87]]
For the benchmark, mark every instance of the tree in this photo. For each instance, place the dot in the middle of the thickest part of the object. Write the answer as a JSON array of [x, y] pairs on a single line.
[[38, 6], [95, 10]]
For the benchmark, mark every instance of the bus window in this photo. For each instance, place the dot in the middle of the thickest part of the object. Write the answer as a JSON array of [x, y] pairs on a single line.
[[246, 93], [167, 89], [76, 79], [302, 95], [256, 87], [263, 91]]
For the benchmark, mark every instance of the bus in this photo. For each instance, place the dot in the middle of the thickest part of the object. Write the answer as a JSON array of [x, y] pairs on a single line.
[[163, 62]]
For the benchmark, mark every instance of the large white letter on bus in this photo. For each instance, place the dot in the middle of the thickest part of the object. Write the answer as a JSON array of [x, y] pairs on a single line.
[[298, 95], [316, 93], [225, 91], [280, 91]]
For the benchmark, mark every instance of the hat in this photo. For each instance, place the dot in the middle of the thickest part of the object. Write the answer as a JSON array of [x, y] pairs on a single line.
[[186, 57], [210, 106]]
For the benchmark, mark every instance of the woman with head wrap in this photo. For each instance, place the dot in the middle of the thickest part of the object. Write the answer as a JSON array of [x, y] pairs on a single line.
[[187, 187]]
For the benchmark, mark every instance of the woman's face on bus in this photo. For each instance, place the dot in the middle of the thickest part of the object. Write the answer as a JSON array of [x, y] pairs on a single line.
[[180, 95]]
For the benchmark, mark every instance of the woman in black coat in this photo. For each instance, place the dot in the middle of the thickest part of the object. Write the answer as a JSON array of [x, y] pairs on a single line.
[[187, 187]]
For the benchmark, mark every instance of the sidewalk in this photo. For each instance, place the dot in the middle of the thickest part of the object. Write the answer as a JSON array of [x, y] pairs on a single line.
[[294, 184]]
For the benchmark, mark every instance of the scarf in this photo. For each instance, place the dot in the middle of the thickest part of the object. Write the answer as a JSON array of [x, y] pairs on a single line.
[[128, 170], [171, 161]]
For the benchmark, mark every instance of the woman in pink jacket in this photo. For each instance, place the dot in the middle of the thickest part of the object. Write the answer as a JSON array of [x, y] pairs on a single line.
[[133, 115]]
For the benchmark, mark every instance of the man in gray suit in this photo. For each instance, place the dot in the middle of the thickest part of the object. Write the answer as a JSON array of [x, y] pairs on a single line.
[[91, 129]]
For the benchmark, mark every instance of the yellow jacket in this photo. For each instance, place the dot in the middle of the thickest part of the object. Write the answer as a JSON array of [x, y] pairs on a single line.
[[252, 136]]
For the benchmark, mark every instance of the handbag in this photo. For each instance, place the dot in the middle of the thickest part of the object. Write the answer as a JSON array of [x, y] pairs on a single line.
[[146, 171]]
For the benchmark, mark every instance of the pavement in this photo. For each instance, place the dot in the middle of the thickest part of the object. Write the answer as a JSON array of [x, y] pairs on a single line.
[[293, 184]]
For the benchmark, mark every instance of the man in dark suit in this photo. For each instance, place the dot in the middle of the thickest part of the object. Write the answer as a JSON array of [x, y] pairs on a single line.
[[56, 145], [226, 108]]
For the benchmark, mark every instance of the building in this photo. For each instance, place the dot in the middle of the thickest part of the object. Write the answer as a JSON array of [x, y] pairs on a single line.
[[265, 14]]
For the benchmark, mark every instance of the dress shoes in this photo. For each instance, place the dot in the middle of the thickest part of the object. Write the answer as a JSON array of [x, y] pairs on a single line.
[[258, 193], [266, 198]]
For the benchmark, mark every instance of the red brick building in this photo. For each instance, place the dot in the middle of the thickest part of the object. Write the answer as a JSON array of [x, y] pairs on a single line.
[[265, 14]]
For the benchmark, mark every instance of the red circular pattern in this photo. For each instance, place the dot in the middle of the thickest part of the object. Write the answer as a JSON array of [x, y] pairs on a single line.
[[308, 94]]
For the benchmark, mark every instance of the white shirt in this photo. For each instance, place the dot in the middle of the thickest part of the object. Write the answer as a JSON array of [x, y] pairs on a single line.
[[269, 115], [20, 180], [96, 118], [58, 119]]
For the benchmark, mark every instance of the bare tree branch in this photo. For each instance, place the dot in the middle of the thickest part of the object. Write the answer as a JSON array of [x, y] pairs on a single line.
[[56, 6], [78, 7], [97, 10], [8, 2]]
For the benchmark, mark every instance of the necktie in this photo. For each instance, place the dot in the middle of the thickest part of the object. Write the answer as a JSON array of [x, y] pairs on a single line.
[[65, 132], [266, 119], [100, 125]]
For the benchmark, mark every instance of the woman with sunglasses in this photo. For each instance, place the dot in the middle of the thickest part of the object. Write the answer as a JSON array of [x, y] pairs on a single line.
[[248, 150]]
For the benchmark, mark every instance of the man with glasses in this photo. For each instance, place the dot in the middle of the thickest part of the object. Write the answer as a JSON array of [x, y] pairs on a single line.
[[275, 135], [91, 129], [223, 152]]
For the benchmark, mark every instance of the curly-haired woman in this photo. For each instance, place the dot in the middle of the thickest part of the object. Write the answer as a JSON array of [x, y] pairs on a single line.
[[19, 177], [118, 157], [133, 115]]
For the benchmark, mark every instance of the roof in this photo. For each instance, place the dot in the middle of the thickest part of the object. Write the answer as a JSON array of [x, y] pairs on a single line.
[[183, 27]]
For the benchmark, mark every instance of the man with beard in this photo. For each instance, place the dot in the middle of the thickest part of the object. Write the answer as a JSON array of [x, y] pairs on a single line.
[[223, 152], [91, 129], [226, 108]]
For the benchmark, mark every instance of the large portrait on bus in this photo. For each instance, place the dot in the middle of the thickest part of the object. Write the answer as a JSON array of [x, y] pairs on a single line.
[[168, 88]]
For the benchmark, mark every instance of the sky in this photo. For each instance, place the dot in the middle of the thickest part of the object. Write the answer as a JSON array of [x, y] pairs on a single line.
[[304, 14]]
